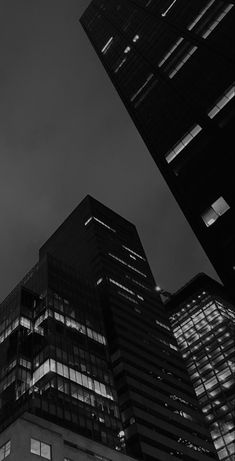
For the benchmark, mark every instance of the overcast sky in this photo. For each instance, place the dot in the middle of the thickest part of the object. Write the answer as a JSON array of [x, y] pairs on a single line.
[[64, 133]]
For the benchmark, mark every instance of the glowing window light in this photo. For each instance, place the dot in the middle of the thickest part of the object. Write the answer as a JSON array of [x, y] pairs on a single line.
[[13, 325], [126, 264], [107, 45], [216, 22], [128, 297], [142, 87], [140, 297], [169, 8], [121, 286], [217, 209], [202, 12], [87, 222], [127, 49], [100, 222], [172, 49], [185, 58], [120, 65], [223, 101], [25, 323], [133, 252], [183, 143], [135, 38], [5, 450], [50, 365]]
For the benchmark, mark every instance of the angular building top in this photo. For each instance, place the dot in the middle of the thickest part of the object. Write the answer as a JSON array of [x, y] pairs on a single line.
[[96, 355], [171, 63]]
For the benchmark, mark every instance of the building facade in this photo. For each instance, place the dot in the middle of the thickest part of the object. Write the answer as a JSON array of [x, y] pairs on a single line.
[[159, 412], [32, 438], [203, 322], [171, 63], [94, 354], [54, 356]]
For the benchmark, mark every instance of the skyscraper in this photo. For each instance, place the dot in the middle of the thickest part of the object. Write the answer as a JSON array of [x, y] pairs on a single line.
[[171, 63], [93, 354], [203, 322], [54, 358]]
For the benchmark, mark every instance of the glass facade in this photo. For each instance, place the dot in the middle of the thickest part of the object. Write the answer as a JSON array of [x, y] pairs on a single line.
[[171, 63], [204, 328], [95, 353], [159, 411], [56, 362]]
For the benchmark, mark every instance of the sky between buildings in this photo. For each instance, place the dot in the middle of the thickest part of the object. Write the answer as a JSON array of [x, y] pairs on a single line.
[[64, 133]]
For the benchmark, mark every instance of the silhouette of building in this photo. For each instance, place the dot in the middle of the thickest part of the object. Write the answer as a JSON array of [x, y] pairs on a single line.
[[203, 321], [93, 354], [171, 63]]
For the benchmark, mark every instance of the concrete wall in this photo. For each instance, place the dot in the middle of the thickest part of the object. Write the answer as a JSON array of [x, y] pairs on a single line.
[[28, 426]]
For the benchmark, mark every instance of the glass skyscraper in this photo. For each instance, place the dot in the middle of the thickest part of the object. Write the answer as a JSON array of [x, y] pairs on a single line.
[[86, 345], [171, 63], [203, 322], [54, 359]]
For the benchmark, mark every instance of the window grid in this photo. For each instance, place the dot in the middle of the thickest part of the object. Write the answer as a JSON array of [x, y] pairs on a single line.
[[209, 364]]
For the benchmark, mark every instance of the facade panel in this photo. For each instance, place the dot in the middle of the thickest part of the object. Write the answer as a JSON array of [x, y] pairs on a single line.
[[203, 322], [95, 353], [171, 63]]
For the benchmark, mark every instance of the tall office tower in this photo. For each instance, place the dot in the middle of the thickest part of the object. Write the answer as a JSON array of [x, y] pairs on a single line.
[[55, 365], [203, 322], [160, 416], [171, 63]]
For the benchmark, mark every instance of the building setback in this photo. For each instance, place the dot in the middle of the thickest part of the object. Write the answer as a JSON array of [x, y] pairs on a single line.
[[93, 354], [158, 408], [171, 63], [203, 321]]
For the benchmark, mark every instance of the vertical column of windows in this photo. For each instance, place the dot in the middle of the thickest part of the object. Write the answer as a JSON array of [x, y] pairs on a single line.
[[207, 358]]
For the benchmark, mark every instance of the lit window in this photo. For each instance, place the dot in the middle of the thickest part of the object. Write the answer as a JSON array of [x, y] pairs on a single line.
[[127, 49], [128, 297], [5, 450], [25, 322], [133, 252], [100, 222], [126, 264], [135, 38], [120, 65], [219, 18], [183, 60], [169, 8], [140, 297], [217, 209], [226, 97], [202, 12], [172, 49], [87, 222], [142, 87], [100, 280], [162, 324], [183, 143], [40, 448], [121, 286], [107, 45]]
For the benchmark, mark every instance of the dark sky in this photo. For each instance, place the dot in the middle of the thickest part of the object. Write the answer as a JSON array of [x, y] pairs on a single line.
[[64, 134]]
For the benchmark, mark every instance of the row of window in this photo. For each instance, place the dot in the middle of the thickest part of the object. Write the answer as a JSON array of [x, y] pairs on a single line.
[[71, 323], [209, 365], [188, 137], [5, 450], [51, 365], [44, 450]]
